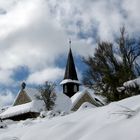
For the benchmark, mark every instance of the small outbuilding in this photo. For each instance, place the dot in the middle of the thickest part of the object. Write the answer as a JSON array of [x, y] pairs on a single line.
[[23, 111], [28, 104], [85, 96]]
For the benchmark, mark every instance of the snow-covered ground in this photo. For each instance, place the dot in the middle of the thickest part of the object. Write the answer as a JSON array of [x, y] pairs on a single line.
[[116, 121]]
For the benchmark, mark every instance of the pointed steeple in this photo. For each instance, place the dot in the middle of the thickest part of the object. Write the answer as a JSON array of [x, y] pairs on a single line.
[[70, 82], [70, 72]]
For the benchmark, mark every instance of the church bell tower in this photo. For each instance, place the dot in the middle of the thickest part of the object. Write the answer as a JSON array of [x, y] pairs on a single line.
[[70, 82]]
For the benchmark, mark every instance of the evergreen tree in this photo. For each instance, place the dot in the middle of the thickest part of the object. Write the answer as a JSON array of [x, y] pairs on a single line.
[[112, 65]]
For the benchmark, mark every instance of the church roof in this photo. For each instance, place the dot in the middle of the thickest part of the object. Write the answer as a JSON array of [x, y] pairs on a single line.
[[77, 96], [34, 106], [70, 72], [32, 93]]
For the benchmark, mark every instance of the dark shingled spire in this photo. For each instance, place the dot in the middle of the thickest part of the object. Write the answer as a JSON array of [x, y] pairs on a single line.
[[70, 82], [70, 72]]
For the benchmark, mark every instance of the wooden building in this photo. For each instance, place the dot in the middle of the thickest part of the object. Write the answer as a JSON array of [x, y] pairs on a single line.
[[85, 96], [26, 105]]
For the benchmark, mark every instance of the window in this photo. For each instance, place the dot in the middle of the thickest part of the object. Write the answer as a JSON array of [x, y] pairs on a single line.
[[75, 88], [65, 89]]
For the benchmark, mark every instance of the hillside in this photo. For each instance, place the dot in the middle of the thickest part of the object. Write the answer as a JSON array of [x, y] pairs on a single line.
[[116, 121]]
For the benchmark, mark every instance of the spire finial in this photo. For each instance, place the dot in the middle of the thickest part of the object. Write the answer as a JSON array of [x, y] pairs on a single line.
[[70, 43], [23, 85]]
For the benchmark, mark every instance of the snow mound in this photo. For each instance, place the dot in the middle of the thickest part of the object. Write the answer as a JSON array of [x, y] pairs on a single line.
[[62, 103], [86, 105], [110, 122], [2, 124], [52, 113]]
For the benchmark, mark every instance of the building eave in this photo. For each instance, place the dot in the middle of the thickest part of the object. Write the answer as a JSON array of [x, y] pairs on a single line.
[[65, 81]]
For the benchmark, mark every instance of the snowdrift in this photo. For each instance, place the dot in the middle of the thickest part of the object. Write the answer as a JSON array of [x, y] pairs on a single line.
[[116, 121]]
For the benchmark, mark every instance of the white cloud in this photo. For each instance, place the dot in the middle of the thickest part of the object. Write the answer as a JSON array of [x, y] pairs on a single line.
[[36, 40], [16, 17], [5, 77], [104, 15], [50, 74], [6, 98], [35, 33]]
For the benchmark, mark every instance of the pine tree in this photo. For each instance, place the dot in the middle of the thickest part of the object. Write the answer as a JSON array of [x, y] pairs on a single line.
[[112, 65]]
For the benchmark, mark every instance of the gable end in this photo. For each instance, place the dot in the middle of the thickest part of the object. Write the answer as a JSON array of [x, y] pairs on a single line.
[[22, 98], [84, 98]]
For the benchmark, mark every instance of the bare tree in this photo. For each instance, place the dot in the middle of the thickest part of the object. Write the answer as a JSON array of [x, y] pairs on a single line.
[[48, 94]]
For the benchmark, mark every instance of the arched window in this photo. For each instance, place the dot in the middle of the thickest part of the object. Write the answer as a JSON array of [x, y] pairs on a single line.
[[75, 88]]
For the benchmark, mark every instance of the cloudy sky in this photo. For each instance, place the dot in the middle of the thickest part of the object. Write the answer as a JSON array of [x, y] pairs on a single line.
[[34, 36]]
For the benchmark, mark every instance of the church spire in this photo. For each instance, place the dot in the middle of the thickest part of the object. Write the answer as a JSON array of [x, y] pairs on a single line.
[[70, 82], [70, 72]]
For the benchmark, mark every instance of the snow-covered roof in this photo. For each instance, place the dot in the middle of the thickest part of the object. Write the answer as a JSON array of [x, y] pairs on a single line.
[[86, 105], [34, 106], [62, 103], [77, 96], [3, 109], [69, 81], [32, 93], [116, 121]]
